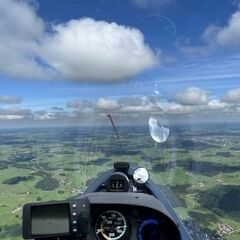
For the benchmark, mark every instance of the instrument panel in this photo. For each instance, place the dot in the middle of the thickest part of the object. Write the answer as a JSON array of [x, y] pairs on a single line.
[[131, 223], [117, 206]]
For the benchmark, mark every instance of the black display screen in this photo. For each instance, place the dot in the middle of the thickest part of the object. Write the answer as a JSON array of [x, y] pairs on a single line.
[[50, 219]]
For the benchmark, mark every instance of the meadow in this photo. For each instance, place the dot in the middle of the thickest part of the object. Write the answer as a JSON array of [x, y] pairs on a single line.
[[197, 168]]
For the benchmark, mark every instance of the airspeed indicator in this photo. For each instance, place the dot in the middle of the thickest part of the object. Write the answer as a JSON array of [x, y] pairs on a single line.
[[111, 225]]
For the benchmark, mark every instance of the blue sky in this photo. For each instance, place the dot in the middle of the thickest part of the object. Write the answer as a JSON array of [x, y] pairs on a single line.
[[99, 53]]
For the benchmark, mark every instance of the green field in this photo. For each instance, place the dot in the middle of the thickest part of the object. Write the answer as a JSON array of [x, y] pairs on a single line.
[[197, 168]]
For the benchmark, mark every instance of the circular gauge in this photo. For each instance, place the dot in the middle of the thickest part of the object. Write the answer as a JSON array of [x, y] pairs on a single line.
[[148, 230], [140, 175], [111, 225]]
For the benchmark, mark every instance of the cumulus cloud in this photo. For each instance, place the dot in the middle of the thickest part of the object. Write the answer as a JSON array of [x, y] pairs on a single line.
[[139, 109], [107, 104], [176, 108], [45, 115], [5, 99], [81, 50], [232, 96], [15, 114], [229, 36], [212, 106], [214, 36], [192, 102], [187, 101], [79, 104], [216, 104], [120, 105], [91, 50], [192, 96], [52, 114], [21, 30], [208, 45], [138, 104]]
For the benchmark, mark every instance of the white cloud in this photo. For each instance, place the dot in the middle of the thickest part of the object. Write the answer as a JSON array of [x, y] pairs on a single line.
[[90, 50], [176, 108], [214, 36], [192, 96], [121, 105], [11, 117], [210, 107], [15, 113], [139, 109], [5, 99], [210, 33], [232, 96], [52, 114], [81, 50], [229, 36], [216, 104], [209, 43], [191, 101], [194, 102], [42, 115], [137, 105], [21, 29], [79, 104], [107, 104]]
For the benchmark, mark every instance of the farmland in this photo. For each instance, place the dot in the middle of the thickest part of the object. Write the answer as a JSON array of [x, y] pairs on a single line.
[[198, 168]]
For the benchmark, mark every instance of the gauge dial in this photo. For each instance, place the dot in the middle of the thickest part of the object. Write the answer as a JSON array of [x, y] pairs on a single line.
[[111, 225], [148, 230], [140, 175]]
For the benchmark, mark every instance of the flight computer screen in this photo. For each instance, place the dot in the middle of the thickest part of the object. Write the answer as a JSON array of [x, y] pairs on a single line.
[[50, 219]]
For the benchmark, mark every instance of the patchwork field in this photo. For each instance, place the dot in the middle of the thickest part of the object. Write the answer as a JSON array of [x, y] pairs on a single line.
[[198, 168]]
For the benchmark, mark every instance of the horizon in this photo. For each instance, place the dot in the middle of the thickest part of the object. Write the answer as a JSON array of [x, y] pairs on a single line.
[[108, 125]]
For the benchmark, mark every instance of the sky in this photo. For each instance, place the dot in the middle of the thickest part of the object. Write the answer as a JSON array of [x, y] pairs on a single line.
[[74, 61]]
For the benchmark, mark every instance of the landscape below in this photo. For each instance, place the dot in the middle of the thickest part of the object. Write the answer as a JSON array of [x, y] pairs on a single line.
[[197, 168]]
